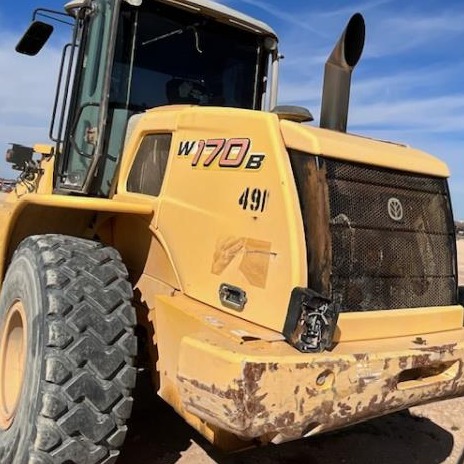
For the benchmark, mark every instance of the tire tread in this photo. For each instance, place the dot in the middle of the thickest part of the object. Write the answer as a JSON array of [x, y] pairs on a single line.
[[90, 349]]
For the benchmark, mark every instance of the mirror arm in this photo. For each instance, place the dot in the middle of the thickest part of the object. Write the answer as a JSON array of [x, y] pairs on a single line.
[[43, 12]]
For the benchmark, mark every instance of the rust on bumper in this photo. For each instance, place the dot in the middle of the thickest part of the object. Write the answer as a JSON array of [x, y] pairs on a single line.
[[267, 391]]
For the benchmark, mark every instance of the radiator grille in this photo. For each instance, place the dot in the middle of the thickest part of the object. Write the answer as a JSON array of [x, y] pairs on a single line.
[[391, 235]]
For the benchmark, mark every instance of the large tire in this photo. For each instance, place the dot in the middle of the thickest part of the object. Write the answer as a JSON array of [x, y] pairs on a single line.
[[71, 305]]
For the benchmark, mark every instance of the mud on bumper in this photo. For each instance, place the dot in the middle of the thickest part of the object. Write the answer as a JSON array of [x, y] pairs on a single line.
[[270, 392]]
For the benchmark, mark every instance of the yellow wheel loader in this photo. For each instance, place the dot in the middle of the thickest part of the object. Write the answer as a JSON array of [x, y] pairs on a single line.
[[284, 279]]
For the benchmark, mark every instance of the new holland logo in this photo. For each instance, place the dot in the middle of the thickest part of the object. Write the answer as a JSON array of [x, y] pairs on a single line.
[[395, 209]]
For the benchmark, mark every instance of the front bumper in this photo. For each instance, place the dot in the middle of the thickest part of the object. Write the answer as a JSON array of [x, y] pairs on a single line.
[[268, 391]]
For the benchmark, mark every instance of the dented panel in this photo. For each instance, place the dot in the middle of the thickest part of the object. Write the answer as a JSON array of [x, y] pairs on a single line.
[[228, 375], [253, 258], [229, 212], [277, 398]]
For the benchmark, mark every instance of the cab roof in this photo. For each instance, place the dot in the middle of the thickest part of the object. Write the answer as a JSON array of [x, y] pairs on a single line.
[[207, 7], [224, 14]]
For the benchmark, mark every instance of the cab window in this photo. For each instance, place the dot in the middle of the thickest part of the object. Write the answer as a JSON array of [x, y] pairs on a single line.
[[147, 173]]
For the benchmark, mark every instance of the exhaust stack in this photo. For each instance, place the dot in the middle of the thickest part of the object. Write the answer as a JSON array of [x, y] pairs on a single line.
[[337, 75]]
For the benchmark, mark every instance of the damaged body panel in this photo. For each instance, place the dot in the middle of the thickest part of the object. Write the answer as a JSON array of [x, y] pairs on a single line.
[[378, 238], [257, 388], [276, 398]]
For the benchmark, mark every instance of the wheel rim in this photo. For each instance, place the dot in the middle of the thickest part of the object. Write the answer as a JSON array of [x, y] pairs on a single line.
[[12, 362]]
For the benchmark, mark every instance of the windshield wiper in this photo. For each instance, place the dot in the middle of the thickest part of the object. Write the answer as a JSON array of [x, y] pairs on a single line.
[[179, 31]]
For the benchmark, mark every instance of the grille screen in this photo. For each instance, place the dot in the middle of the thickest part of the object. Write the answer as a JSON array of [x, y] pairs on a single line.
[[392, 239]]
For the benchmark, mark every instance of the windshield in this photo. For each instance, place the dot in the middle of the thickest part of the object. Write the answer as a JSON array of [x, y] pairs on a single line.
[[169, 56]]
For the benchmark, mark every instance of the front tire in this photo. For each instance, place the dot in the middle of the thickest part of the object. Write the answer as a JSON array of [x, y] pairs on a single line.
[[67, 322]]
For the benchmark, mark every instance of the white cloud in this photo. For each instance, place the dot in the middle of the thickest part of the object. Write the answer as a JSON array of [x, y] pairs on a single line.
[[397, 34], [348, 10], [397, 83], [283, 15], [441, 114]]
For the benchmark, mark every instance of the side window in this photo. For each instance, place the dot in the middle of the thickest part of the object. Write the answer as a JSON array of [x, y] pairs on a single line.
[[147, 172]]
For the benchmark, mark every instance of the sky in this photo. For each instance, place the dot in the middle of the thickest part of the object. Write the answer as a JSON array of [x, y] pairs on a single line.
[[408, 86]]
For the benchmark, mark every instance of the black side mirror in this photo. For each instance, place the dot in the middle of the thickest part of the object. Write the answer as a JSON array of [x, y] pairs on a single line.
[[34, 38]]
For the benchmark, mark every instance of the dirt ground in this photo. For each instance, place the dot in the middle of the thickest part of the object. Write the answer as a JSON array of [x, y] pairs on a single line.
[[430, 434]]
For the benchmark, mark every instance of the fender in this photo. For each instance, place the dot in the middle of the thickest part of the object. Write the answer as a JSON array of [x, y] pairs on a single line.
[[83, 217]]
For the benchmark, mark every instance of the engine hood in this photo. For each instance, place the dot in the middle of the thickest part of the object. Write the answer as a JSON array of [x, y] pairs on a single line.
[[359, 149]]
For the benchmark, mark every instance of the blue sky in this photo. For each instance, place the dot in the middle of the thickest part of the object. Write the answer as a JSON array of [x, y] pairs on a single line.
[[408, 86]]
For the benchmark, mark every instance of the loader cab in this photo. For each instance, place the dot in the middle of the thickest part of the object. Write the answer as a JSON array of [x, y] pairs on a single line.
[[128, 56]]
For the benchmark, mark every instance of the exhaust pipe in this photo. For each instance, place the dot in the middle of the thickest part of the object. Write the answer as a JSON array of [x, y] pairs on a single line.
[[337, 75]]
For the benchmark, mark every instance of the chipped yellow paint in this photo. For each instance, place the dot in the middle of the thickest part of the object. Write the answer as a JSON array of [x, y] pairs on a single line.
[[267, 390], [255, 256], [227, 249], [256, 261]]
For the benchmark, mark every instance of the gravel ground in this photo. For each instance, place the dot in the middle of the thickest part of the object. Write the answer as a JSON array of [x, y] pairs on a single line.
[[430, 434]]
